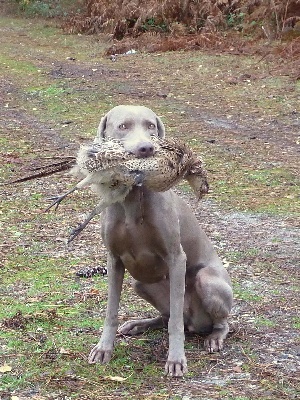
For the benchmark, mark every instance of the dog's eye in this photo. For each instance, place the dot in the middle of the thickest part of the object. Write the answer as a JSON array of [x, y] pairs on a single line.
[[151, 126], [122, 126]]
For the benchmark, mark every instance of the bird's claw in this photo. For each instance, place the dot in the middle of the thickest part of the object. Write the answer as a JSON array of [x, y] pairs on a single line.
[[75, 232], [59, 199], [56, 200]]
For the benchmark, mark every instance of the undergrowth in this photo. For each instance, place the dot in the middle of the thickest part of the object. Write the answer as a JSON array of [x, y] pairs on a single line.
[[49, 8], [270, 18], [167, 25]]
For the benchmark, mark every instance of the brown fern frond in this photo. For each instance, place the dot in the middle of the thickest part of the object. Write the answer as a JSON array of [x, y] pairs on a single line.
[[291, 21], [179, 18]]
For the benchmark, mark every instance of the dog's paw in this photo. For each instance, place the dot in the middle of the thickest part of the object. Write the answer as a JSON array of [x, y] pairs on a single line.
[[213, 344], [132, 328], [176, 369], [99, 355]]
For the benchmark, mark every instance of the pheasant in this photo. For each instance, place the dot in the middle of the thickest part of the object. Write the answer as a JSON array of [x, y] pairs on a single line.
[[113, 172], [107, 163]]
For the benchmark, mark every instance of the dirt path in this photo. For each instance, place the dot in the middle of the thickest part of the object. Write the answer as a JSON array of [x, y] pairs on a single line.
[[245, 121]]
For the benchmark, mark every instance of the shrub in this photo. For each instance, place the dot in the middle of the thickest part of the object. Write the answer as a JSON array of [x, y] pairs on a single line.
[[49, 8], [134, 17]]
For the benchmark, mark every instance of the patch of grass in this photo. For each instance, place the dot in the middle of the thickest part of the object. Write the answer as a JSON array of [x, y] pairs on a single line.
[[264, 322], [20, 67], [260, 191], [4, 141], [53, 311], [237, 398], [237, 256], [11, 382], [60, 101], [50, 91], [235, 185], [296, 322], [246, 293], [249, 187]]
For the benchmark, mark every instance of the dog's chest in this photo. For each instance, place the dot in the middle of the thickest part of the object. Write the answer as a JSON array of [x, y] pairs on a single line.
[[145, 267], [140, 248]]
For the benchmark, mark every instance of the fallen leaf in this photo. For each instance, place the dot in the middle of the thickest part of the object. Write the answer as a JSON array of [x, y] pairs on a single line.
[[15, 398], [237, 368], [5, 368], [225, 263], [94, 291], [33, 299], [115, 378], [64, 351]]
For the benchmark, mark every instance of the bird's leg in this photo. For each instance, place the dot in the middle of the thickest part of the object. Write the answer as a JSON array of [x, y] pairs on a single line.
[[97, 210], [59, 199]]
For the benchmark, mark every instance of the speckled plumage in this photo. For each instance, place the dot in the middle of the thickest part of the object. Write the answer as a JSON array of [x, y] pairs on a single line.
[[107, 163], [113, 172]]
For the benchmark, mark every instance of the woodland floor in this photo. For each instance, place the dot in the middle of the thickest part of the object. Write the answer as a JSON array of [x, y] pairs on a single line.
[[243, 115]]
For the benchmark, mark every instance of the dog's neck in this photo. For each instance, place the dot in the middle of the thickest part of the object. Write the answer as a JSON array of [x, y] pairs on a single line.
[[134, 204]]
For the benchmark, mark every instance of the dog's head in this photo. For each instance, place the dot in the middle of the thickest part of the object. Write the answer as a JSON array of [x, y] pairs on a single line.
[[135, 126]]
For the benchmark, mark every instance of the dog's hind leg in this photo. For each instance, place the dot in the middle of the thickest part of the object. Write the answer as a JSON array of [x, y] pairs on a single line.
[[216, 297], [158, 295]]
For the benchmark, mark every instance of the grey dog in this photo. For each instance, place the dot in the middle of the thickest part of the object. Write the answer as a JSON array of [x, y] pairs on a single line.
[[156, 237]]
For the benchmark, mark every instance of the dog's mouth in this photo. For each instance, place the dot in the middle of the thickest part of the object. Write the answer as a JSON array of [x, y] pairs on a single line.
[[142, 154]]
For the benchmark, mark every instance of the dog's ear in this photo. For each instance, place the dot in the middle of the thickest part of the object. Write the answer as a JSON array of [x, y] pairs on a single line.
[[101, 128], [160, 128]]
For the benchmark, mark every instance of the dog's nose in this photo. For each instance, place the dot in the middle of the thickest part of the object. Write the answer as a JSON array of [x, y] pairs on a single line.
[[144, 149]]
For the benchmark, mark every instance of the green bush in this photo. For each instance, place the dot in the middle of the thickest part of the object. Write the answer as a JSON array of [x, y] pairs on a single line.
[[48, 8]]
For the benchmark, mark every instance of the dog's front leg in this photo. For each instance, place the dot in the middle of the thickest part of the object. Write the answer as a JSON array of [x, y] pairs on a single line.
[[176, 364], [102, 352]]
